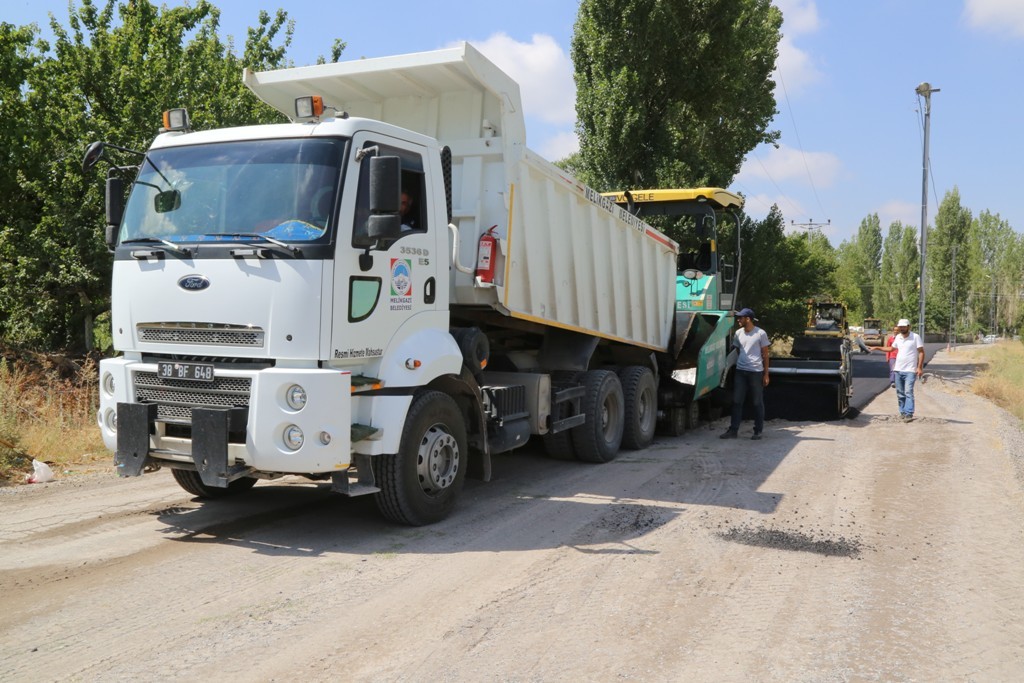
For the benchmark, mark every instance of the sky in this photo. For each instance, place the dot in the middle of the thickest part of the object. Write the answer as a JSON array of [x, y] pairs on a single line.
[[851, 123]]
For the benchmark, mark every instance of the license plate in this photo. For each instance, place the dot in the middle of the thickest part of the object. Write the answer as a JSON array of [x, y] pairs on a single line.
[[196, 372]]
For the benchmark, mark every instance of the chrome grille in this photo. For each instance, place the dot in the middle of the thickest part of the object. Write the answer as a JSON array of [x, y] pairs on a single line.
[[176, 398], [201, 333]]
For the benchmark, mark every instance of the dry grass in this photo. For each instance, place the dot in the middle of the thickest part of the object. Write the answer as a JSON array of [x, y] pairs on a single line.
[[47, 412], [1002, 382]]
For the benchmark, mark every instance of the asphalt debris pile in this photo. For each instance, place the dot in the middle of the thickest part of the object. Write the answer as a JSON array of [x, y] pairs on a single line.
[[798, 541]]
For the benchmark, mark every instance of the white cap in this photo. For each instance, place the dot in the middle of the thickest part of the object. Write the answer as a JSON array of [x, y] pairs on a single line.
[[903, 323]]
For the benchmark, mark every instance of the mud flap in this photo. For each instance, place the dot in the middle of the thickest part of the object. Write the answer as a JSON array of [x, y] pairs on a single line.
[[134, 424], [210, 428]]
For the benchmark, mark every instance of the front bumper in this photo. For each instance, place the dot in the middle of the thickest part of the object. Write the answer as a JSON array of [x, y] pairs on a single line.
[[223, 439]]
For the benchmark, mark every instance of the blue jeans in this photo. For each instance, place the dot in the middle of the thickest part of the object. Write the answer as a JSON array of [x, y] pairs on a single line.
[[748, 383], [905, 392]]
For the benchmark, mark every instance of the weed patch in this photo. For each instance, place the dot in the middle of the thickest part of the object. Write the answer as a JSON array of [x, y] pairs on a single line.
[[47, 412]]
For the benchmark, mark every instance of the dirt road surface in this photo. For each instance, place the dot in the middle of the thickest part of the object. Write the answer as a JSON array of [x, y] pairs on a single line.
[[862, 550]]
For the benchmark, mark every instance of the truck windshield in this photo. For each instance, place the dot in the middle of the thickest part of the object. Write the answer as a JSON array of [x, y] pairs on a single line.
[[283, 189]]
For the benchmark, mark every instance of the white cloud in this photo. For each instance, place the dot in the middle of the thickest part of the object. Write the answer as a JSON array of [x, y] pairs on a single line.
[[559, 146], [795, 67], [788, 164], [1002, 16], [800, 16], [758, 205], [907, 213], [543, 71]]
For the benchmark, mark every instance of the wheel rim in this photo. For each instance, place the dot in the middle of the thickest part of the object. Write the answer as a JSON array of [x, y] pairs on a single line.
[[608, 408], [437, 461], [645, 406]]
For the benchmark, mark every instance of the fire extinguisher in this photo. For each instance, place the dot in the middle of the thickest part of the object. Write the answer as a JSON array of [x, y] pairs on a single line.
[[486, 252]]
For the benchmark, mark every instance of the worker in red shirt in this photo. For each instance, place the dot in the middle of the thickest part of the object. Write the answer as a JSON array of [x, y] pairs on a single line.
[[890, 357]]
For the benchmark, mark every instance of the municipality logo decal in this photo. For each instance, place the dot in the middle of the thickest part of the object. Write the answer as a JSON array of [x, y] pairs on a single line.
[[401, 277]]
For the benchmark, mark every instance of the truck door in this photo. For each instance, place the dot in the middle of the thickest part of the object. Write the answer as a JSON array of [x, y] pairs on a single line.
[[399, 280]]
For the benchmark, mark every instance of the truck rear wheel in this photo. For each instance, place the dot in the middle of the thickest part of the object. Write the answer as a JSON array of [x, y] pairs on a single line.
[[420, 484], [641, 407], [692, 410], [599, 438], [193, 483], [674, 421]]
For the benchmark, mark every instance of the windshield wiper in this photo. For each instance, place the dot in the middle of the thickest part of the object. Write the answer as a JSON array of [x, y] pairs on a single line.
[[259, 237], [184, 251]]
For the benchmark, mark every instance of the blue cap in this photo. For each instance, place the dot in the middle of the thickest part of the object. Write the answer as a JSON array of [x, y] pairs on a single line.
[[745, 313]]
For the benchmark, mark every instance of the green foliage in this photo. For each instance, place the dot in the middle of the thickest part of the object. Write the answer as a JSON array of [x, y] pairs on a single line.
[[952, 226], [780, 272], [858, 268], [896, 295], [111, 71], [991, 274], [672, 93]]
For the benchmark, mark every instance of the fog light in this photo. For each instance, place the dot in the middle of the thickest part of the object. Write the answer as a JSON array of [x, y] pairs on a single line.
[[293, 437], [325, 438], [108, 384], [295, 396], [111, 420]]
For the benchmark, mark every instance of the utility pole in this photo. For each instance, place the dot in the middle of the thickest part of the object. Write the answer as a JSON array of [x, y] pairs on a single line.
[[952, 304], [924, 90], [810, 225]]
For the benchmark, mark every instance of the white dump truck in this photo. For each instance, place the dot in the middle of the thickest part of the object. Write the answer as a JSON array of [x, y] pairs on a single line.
[[381, 294]]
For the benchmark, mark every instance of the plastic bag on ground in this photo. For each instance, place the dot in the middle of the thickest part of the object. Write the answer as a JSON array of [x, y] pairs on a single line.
[[41, 473]]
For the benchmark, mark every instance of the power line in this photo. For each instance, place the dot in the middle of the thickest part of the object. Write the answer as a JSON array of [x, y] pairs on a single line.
[[796, 134], [782, 194]]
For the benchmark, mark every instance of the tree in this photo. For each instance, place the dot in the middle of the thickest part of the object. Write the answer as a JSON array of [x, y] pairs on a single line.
[[896, 295], [952, 224], [780, 273], [672, 93], [992, 277], [109, 80], [859, 262]]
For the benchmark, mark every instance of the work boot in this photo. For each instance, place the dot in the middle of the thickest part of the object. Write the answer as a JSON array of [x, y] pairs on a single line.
[[728, 434]]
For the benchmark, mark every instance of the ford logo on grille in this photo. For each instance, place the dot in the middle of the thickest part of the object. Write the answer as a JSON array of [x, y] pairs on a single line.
[[193, 283]]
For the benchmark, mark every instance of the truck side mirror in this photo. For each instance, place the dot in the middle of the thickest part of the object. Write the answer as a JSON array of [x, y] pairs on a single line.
[[385, 185], [114, 205], [92, 156], [384, 222]]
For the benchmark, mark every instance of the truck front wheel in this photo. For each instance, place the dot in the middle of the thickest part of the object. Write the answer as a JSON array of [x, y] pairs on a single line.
[[599, 438], [420, 483], [193, 483]]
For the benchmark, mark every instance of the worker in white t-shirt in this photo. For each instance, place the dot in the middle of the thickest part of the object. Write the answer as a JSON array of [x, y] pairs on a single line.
[[908, 367], [751, 375]]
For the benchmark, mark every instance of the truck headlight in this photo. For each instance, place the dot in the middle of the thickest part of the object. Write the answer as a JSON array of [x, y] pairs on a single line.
[[293, 437], [295, 396]]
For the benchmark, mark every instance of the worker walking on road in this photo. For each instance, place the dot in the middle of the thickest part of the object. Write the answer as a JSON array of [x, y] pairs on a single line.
[[751, 376], [908, 367]]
